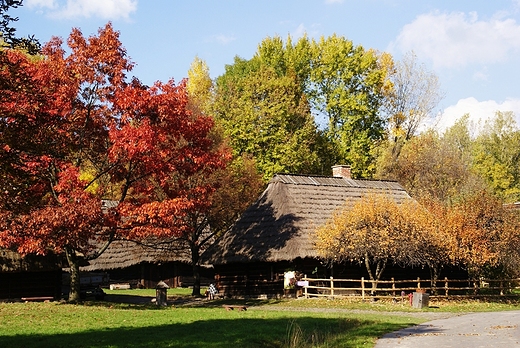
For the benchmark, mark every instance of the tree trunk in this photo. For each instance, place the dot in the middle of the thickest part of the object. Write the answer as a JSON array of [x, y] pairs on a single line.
[[73, 261], [196, 270], [375, 276]]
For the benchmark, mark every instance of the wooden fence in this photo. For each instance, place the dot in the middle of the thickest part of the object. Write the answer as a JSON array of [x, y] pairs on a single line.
[[337, 288]]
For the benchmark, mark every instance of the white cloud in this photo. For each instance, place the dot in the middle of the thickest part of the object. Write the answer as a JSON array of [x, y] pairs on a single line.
[[302, 30], [105, 9], [299, 31], [481, 75], [458, 39], [40, 3], [479, 111], [224, 39]]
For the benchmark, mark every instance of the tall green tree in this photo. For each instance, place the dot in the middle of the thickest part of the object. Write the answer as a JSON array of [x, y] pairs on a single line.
[[346, 86], [338, 83], [496, 155], [266, 116]]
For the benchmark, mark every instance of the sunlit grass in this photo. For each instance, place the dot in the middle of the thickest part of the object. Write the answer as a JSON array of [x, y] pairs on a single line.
[[96, 324], [453, 305], [196, 322], [151, 292]]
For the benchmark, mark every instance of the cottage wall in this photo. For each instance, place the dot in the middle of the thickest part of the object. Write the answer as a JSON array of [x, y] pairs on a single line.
[[147, 275], [15, 285]]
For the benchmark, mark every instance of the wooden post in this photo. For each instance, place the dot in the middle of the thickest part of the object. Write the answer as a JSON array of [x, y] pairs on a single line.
[[393, 287], [501, 288], [363, 287], [446, 286], [418, 283], [332, 287], [305, 287]]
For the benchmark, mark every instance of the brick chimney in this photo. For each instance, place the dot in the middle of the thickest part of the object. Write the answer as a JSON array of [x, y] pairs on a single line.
[[341, 171]]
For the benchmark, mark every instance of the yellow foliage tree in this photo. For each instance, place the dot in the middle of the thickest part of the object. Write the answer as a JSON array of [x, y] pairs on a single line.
[[378, 230], [368, 233], [476, 232], [485, 235], [200, 85]]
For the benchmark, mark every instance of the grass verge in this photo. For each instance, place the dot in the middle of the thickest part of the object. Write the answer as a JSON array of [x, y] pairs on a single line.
[[96, 324], [196, 322]]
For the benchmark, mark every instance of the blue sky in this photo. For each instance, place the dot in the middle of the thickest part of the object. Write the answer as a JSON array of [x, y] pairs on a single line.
[[473, 46]]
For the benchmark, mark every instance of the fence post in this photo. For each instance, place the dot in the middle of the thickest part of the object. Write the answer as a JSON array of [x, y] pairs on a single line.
[[363, 287], [305, 287], [418, 283], [332, 287], [446, 286], [393, 287], [501, 288]]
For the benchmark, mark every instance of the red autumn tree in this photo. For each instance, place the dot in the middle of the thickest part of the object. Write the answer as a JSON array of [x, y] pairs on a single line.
[[179, 156], [73, 131]]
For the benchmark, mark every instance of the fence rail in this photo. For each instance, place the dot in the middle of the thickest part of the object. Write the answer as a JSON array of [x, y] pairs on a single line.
[[337, 288]]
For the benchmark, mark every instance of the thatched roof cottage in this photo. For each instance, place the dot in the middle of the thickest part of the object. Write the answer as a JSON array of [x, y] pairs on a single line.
[[29, 276], [277, 232], [144, 264], [147, 263]]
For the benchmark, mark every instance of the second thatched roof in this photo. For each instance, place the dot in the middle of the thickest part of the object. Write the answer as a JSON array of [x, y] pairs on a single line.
[[281, 224], [126, 253]]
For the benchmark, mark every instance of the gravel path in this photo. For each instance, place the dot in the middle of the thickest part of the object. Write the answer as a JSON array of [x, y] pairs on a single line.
[[490, 329]]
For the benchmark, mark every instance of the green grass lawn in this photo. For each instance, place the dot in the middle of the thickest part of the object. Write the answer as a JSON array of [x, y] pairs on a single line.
[[106, 325], [151, 292], [202, 323]]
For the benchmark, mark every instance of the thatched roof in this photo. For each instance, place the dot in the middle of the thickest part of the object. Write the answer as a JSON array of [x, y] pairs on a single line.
[[281, 224], [11, 261], [126, 253]]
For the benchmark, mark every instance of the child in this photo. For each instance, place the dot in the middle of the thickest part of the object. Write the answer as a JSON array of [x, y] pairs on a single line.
[[211, 292]]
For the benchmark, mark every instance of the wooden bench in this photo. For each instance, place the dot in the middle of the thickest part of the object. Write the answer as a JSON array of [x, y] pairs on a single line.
[[233, 307], [38, 298]]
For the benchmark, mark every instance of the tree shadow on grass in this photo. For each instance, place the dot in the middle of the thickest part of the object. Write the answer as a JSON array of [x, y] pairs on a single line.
[[233, 332], [146, 302]]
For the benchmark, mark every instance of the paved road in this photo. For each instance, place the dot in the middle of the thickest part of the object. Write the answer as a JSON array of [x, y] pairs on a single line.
[[495, 329]]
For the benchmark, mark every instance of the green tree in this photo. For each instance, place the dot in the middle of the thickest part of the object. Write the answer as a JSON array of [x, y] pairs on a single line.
[[431, 168], [235, 187], [331, 79], [496, 155], [346, 86], [266, 116]]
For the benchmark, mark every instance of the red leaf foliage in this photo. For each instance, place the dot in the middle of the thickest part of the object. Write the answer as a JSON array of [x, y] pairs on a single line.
[[73, 131]]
